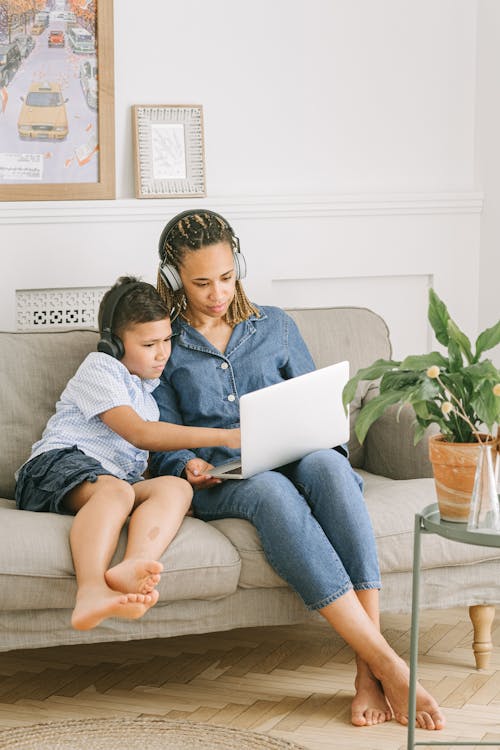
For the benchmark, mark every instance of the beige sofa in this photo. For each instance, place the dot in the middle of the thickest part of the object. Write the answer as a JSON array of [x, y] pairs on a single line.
[[216, 575]]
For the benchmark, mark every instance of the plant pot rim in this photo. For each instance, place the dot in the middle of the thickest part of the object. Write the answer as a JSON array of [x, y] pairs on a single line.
[[440, 438]]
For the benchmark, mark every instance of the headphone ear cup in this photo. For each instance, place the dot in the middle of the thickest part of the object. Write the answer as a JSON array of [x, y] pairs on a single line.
[[111, 344], [240, 265], [170, 276]]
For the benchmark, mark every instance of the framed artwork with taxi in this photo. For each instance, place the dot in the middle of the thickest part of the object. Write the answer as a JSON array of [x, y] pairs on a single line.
[[56, 100]]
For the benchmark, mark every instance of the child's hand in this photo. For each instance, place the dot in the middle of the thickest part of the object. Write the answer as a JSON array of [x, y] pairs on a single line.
[[196, 475], [233, 438]]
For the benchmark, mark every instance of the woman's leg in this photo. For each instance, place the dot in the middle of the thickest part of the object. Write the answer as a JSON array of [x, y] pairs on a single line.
[[350, 619], [333, 491], [101, 509], [300, 550], [159, 509]]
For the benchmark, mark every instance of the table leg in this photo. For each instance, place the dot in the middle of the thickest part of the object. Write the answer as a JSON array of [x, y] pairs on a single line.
[[482, 616], [412, 698]]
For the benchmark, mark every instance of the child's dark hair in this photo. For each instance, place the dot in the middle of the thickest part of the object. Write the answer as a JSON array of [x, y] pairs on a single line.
[[191, 233], [140, 304]]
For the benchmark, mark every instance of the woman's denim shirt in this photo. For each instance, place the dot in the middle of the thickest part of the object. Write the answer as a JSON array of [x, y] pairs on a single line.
[[202, 386]]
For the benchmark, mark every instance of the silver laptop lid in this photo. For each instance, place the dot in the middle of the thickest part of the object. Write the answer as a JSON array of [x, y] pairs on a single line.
[[285, 421]]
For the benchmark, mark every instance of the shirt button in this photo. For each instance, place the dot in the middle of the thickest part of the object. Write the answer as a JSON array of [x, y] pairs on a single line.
[[224, 366], [231, 397]]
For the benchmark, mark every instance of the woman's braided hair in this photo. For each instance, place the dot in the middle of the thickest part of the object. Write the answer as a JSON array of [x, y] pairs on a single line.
[[191, 233]]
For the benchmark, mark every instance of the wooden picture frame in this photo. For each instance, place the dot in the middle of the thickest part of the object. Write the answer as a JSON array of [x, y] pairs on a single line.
[[169, 152], [80, 165]]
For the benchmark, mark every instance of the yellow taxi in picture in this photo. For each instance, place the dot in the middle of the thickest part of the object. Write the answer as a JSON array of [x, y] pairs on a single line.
[[43, 114]]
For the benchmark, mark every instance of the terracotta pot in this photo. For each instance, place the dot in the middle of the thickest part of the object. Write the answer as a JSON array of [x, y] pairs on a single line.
[[454, 466]]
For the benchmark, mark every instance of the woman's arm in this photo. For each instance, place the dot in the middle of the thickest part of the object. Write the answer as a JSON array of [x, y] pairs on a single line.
[[165, 436]]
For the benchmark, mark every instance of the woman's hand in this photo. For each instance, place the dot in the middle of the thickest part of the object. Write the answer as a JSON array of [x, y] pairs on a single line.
[[196, 474], [233, 439]]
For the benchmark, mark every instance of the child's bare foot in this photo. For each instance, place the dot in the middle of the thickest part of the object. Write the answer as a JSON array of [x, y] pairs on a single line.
[[369, 706], [93, 605], [134, 576], [395, 682]]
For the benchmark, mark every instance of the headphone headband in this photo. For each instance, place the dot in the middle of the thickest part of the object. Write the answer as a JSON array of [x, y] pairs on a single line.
[[169, 272], [110, 343], [172, 223]]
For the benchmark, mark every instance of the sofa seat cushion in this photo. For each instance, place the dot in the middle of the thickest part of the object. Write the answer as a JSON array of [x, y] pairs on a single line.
[[392, 504], [255, 570], [36, 568]]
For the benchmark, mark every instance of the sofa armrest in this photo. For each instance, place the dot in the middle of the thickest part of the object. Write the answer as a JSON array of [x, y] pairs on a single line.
[[389, 449]]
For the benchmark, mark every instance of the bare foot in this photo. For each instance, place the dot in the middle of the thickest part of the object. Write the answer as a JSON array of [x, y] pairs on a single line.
[[395, 682], [93, 605], [134, 576], [369, 706]]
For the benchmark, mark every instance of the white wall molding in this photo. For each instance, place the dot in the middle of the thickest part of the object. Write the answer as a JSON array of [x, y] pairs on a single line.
[[243, 206]]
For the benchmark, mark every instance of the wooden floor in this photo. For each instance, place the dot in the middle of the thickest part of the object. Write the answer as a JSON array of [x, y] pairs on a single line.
[[290, 682]]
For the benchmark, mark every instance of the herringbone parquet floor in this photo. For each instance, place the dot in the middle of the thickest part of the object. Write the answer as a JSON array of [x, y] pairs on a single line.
[[291, 682]]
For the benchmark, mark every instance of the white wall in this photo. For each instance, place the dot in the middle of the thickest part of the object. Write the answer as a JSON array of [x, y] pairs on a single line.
[[339, 141], [488, 162]]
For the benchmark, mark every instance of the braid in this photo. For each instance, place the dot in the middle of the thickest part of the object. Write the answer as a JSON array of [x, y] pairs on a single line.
[[191, 233]]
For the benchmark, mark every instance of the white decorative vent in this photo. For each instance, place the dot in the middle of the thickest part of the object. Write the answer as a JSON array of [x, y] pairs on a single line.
[[58, 308]]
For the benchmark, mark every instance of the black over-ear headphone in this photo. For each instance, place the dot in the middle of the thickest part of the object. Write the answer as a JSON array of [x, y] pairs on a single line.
[[170, 274], [110, 343]]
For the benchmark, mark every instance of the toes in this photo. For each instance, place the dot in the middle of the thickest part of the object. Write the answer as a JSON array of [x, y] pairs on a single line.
[[426, 720], [439, 720], [358, 719], [401, 718]]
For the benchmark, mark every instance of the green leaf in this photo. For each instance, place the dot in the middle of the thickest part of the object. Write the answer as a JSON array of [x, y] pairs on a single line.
[[488, 339], [484, 370], [438, 317], [395, 380], [424, 361], [373, 410], [486, 405], [455, 356], [460, 339], [373, 372]]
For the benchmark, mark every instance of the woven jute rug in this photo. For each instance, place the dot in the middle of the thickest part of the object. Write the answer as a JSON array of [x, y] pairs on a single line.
[[136, 734]]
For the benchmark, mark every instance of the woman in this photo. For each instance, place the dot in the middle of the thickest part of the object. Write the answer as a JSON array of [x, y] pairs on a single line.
[[310, 515]]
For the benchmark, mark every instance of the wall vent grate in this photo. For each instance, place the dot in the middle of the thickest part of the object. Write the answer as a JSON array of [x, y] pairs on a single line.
[[53, 309]]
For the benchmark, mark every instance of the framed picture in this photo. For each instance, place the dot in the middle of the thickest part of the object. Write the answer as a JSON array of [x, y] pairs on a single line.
[[56, 100], [169, 151]]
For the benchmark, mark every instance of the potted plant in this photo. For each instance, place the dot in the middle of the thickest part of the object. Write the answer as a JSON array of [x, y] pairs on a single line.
[[459, 392]]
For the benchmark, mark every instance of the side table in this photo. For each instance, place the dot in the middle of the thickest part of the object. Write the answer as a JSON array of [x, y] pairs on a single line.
[[428, 521]]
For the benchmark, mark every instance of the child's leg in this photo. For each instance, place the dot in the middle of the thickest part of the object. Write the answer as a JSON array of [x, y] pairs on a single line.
[[101, 509], [159, 508]]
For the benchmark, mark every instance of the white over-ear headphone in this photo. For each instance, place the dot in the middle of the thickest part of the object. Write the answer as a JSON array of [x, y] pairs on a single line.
[[170, 274]]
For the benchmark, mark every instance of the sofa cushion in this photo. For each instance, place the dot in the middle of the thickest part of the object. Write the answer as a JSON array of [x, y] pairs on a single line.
[[392, 504], [34, 369], [36, 568], [255, 570]]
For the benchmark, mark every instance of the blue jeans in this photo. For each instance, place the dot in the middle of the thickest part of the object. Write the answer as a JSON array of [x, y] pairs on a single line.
[[312, 522]]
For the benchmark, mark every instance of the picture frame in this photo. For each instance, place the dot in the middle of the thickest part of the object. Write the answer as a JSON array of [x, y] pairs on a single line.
[[78, 162], [169, 151]]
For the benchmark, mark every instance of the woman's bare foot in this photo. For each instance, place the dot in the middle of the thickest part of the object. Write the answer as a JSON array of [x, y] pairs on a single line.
[[369, 706], [93, 605], [134, 576], [395, 679]]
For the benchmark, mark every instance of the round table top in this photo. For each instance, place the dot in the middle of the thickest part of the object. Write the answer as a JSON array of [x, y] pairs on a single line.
[[432, 522]]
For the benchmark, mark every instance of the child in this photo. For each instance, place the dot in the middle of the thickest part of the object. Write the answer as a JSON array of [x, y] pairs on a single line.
[[92, 454]]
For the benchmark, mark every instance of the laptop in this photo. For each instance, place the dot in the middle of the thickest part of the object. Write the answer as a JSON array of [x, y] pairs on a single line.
[[286, 421]]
